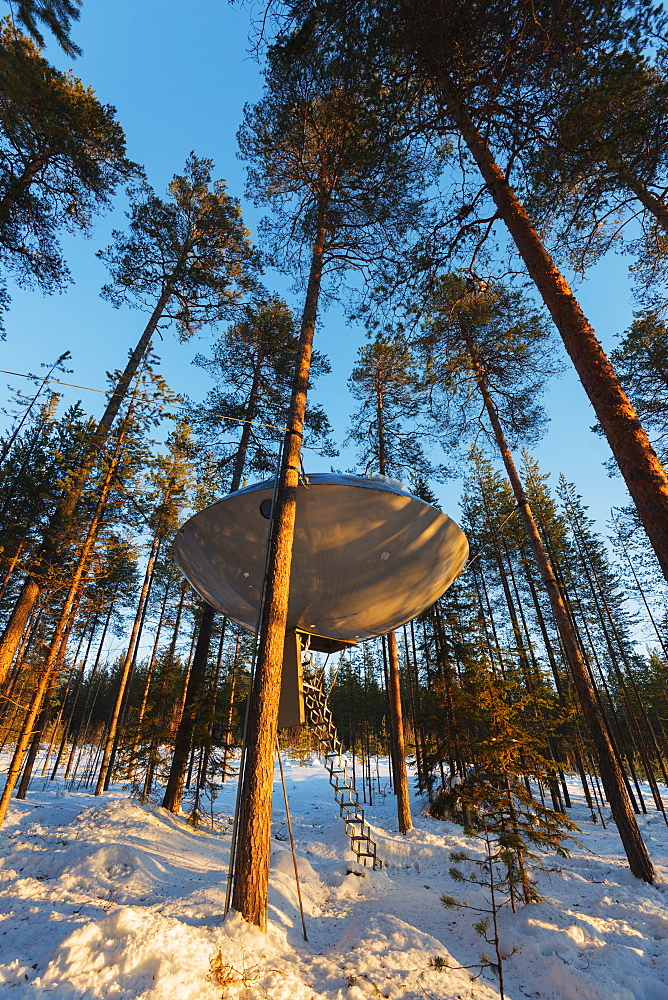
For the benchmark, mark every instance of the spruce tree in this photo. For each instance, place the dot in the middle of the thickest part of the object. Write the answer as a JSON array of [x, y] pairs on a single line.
[[483, 339]]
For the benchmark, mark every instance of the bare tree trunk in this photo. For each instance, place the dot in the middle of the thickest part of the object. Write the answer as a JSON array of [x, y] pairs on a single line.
[[230, 718], [251, 875], [151, 666], [75, 697], [82, 724], [412, 703], [125, 670], [392, 743], [63, 704], [40, 725], [643, 474], [394, 688], [403, 798], [191, 706], [122, 719]]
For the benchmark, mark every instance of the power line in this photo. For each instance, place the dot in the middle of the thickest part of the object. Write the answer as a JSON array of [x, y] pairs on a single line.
[[88, 388], [56, 380]]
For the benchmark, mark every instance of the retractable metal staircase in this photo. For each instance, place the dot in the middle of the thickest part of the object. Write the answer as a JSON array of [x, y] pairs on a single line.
[[319, 715]]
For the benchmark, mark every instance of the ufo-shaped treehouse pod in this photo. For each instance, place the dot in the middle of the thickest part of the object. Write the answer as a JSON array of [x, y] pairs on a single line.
[[367, 557]]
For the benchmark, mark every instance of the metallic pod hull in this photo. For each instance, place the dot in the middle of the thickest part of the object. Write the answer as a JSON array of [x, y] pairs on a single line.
[[367, 556]]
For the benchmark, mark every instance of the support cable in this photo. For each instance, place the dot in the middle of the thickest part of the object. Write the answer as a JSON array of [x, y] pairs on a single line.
[[494, 535], [292, 839], [336, 672]]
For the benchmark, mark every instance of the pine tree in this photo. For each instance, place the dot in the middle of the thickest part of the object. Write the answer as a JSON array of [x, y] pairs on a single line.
[[56, 15], [488, 76], [642, 363], [604, 161], [186, 261], [96, 514], [242, 417], [339, 174], [62, 156]]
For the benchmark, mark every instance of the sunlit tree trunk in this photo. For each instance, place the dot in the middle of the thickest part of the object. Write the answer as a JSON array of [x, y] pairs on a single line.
[[125, 670], [251, 876], [643, 474], [211, 715], [401, 780]]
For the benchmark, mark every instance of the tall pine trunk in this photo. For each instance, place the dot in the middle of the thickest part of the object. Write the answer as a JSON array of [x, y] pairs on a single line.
[[643, 474], [251, 875], [191, 707], [84, 711], [125, 670], [401, 780], [394, 687]]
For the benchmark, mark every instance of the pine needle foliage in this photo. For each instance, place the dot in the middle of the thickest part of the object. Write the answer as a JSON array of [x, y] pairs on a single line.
[[62, 156], [56, 15]]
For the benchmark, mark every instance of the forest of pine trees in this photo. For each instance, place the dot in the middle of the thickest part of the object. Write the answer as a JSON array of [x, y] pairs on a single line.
[[435, 166]]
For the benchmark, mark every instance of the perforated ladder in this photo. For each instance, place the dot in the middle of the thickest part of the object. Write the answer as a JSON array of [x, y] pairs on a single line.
[[319, 715]]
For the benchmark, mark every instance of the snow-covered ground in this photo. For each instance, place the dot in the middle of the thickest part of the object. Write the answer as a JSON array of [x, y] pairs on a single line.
[[108, 898]]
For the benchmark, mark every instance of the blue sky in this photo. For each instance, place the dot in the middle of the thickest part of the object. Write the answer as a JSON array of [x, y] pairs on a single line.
[[179, 75]]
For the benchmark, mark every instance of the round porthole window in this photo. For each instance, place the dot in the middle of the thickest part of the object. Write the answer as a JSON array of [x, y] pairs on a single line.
[[266, 508]]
